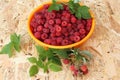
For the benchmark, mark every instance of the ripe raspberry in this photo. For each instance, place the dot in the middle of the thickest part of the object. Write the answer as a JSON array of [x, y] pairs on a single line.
[[65, 42], [58, 28], [46, 25], [39, 28], [66, 61], [71, 38], [51, 15], [59, 40], [84, 69], [45, 30], [82, 31], [80, 26], [53, 42], [69, 25], [37, 16], [73, 20], [44, 36], [51, 22], [58, 33], [33, 24], [76, 38], [79, 21], [37, 35], [58, 21], [72, 68], [48, 41], [52, 35], [76, 33], [84, 22], [52, 30], [64, 23]]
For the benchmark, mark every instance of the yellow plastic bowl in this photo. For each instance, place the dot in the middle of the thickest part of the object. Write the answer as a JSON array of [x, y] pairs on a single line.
[[58, 47]]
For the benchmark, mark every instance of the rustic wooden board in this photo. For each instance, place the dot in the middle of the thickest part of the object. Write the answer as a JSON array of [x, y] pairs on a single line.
[[104, 43]]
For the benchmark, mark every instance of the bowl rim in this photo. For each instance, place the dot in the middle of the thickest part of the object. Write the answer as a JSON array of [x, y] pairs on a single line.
[[58, 47]]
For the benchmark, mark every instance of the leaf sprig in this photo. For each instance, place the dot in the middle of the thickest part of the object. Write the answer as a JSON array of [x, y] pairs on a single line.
[[55, 6], [74, 7], [14, 44], [50, 59], [78, 10]]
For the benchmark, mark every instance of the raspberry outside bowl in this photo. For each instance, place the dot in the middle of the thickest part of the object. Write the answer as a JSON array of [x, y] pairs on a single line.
[[76, 44]]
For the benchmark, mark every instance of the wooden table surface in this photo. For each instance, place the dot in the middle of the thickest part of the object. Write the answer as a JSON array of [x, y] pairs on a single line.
[[104, 43]]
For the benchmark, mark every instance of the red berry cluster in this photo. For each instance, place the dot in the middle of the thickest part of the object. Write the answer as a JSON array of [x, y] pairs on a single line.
[[83, 69], [59, 27]]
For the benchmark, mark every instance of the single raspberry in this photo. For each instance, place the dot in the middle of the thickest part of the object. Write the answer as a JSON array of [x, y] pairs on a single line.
[[67, 15], [45, 30], [35, 30], [65, 42], [51, 21], [79, 21], [39, 28], [66, 61], [59, 40], [37, 16], [58, 15], [53, 42], [46, 25], [66, 34], [58, 33], [73, 20], [48, 41], [44, 36], [82, 31], [64, 30], [71, 38], [52, 30], [34, 24], [51, 15], [72, 68], [58, 28], [69, 25], [37, 35], [84, 22], [58, 21], [76, 38], [52, 35], [84, 69], [40, 21], [82, 36], [76, 33], [80, 26], [64, 23], [64, 13]]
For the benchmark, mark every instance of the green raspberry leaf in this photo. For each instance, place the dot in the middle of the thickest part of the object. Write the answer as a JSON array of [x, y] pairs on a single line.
[[84, 11], [7, 49], [55, 6], [40, 63], [78, 15], [40, 50], [32, 59], [33, 70], [62, 53], [55, 60], [16, 41], [54, 67]]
